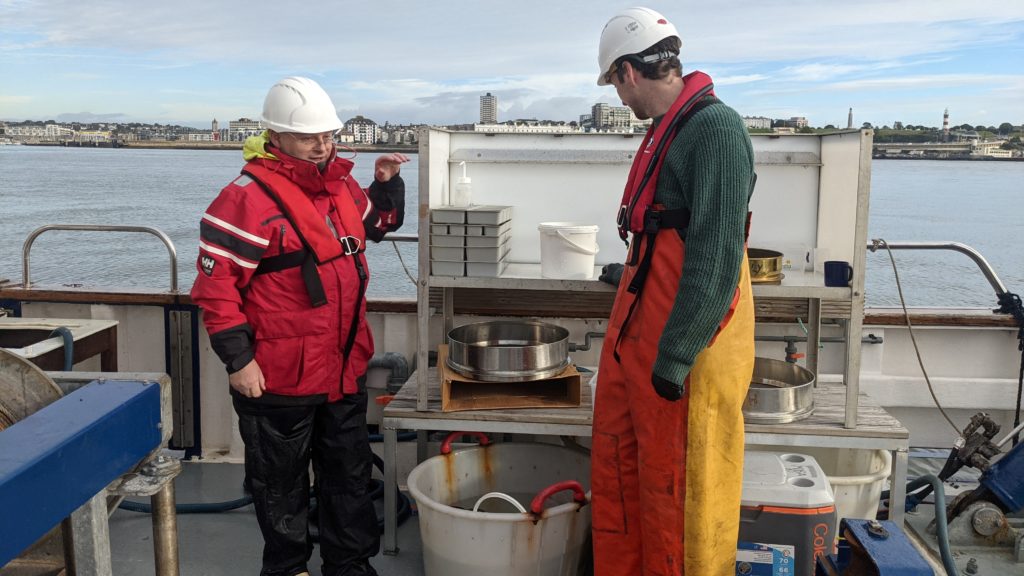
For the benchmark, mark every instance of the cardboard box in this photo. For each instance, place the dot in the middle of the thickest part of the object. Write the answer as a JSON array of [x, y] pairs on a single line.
[[461, 393]]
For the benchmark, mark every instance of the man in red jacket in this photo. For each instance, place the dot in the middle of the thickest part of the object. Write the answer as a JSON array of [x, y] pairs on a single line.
[[282, 285]]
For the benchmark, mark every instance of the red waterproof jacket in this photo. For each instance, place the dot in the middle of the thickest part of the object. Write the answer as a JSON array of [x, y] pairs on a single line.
[[251, 286]]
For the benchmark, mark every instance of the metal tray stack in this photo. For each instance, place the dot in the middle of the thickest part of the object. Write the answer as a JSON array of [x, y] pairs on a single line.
[[471, 241]]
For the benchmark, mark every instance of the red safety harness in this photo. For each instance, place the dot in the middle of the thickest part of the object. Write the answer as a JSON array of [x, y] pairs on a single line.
[[637, 212], [321, 242]]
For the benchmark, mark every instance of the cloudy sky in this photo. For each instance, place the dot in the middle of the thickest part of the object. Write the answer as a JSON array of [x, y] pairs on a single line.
[[428, 61]]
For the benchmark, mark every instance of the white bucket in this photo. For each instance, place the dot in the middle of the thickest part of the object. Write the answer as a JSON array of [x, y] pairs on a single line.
[[857, 481], [503, 541], [567, 250]]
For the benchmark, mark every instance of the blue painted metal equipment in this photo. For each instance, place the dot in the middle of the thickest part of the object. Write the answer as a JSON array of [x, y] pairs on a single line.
[[876, 548], [1005, 479], [55, 460]]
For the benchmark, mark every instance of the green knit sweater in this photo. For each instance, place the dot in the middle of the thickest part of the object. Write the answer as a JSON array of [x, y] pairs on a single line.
[[707, 169]]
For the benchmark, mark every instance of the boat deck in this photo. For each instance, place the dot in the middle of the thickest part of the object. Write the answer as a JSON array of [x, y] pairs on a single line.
[[226, 543]]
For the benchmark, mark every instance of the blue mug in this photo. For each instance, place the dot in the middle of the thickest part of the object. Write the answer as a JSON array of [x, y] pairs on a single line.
[[838, 273]]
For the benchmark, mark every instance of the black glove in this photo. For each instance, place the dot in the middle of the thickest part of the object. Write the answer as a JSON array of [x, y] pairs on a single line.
[[388, 196], [666, 388], [611, 273]]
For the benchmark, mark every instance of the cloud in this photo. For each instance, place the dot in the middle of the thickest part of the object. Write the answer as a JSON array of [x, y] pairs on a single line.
[[89, 117], [925, 82], [80, 76], [739, 79], [12, 99], [429, 61]]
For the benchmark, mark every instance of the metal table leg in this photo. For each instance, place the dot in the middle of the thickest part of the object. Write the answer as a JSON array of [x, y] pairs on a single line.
[[390, 487], [91, 535], [813, 335], [898, 491]]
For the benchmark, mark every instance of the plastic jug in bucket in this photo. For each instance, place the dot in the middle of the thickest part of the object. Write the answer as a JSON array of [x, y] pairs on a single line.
[[567, 250]]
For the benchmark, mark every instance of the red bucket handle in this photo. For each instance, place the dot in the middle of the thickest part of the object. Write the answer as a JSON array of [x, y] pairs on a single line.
[[537, 506], [446, 446]]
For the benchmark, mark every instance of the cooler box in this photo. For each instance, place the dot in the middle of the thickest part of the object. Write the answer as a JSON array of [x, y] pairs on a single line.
[[787, 515]]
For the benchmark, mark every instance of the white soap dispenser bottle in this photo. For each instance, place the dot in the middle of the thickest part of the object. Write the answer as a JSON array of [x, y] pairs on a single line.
[[462, 191]]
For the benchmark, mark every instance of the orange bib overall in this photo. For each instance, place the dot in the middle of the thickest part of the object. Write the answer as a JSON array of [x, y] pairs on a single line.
[[667, 476]]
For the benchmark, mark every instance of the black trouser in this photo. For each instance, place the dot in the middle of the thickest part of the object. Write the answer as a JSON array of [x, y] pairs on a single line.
[[279, 441]]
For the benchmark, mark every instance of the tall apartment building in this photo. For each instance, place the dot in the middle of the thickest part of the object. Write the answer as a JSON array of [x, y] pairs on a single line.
[[363, 130], [488, 109]]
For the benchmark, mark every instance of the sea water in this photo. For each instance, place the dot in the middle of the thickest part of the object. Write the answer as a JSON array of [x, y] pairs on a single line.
[[979, 203]]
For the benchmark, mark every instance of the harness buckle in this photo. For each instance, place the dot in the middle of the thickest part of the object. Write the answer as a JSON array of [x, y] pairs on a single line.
[[652, 222], [620, 218], [351, 244]]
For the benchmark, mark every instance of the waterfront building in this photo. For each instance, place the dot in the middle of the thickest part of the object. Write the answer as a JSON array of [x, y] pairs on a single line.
[[44, 133], [239, 130], [800, 121], [92, 136], [363, 130], [607, 118], [757, 122]]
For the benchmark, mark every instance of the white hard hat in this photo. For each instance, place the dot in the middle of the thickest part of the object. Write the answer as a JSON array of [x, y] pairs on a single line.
[[630, 32], [297, 104]]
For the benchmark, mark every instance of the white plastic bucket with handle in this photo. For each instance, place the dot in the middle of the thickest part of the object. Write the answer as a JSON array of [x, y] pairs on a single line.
[[541, 529], [567, 250]]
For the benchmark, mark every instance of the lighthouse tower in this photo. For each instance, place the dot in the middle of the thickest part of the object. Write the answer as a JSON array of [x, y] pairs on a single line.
[[945, 126]]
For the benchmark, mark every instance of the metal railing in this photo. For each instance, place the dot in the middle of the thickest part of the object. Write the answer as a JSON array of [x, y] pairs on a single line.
[[26, 274], [973, 254], [27, 247]]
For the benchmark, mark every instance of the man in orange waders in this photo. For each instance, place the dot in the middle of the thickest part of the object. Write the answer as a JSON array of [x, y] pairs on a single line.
[[678, 354]]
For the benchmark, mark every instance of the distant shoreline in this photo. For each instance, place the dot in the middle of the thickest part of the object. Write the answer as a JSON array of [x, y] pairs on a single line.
[[953, 159], [405, 149], [413, 149]]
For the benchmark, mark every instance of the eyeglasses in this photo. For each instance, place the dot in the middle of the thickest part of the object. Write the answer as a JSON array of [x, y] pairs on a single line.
[[312, 140]]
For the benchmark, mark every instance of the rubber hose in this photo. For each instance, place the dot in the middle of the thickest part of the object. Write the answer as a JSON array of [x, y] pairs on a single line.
[[404, 506], [932, 483], [69, 346], [941, 528]]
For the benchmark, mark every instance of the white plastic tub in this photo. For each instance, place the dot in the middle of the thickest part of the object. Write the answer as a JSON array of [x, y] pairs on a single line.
[[502, 541], [567, 250], [857, 476]]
